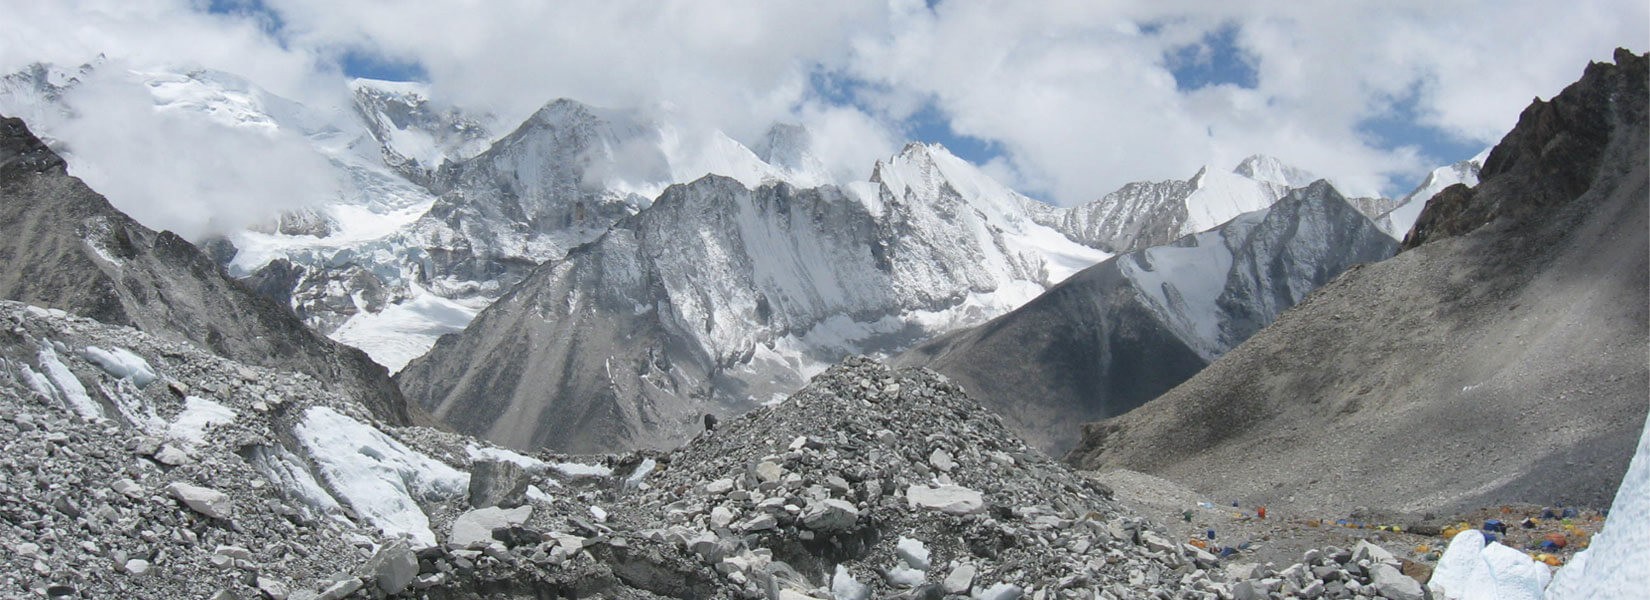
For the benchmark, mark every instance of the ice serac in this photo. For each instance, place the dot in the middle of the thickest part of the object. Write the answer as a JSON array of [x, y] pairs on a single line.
[[1524, 290], [1617, 562], [1122, 332], [1146, 213], [63, 246], [717, 296]]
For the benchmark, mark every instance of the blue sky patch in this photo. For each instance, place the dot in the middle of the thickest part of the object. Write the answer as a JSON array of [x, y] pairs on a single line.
[[256, 10], [933, 126], [369, 65], [353, 62], [1400, 126], [1215, 60], [929, 124]]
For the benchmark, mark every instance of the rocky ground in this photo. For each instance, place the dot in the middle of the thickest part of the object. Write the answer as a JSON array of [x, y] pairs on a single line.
[[1552, 534], [135, 467]]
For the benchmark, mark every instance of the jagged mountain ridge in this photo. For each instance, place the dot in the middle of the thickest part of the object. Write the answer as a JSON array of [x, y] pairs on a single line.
[[416, 135], [384, 265], [1511, 331], [1122, 332], [1146, 213], [717, 296], [65, 247]]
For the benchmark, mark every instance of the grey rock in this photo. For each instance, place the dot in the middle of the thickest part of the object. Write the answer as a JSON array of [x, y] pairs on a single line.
[[1312, 590], [171, 456], [273, 589], [950, 499], [1001, 591], [498, 483], [1247, 590], [960, 580], [760, 523], [1156, 543], [940, 459], [203, 500], [767, 471], [1389, 582], [128, 488], [831, 516], [393, 567], [136, 566], [341, 590], [476, 526], [721, 517], [1373, 553]]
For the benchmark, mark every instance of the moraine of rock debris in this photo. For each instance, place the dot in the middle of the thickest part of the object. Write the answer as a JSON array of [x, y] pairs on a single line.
[[870, 483], [880, 483]]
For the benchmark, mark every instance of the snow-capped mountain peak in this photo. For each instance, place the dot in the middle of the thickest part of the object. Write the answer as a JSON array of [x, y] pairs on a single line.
[[1398, 221], [789, 148], [1144, 213], [924, 171], [1261, 167], [417, 135]]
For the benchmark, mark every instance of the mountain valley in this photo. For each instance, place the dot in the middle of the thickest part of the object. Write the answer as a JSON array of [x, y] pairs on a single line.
[[602, 353]]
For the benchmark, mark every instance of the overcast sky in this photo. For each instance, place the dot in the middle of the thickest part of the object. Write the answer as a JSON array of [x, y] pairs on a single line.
[[1065, 100]]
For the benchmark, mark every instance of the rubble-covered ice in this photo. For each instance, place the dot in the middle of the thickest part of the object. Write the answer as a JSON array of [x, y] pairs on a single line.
[[380, 478], [121, 362]]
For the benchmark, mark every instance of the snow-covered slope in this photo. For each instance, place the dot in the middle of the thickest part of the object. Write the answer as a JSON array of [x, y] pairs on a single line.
[[1268, 169], [789, 148], [1143, 214], [1129, 328], [1401, 218], [35, 94], [716, 297]]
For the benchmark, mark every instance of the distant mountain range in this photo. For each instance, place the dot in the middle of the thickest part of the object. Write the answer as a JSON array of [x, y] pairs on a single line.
[[440, 212]]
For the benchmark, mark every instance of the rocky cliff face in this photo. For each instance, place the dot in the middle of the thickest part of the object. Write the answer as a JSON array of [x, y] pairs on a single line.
[[65, 247], [416, 135], [1491, 361], [1132, 327], [717, 297]]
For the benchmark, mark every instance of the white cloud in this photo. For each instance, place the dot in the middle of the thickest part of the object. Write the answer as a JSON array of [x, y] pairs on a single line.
[[171, 171], [1083, 100], [1078, 95]]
